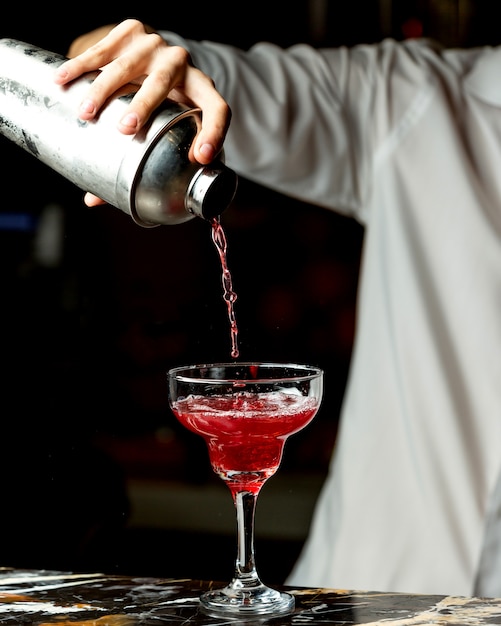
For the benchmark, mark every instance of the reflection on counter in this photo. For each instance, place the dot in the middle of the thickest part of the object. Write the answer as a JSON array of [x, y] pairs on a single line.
[[49, 598]]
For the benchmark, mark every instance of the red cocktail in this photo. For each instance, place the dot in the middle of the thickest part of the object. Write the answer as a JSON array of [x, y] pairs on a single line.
[[245, 412], [245, 432]]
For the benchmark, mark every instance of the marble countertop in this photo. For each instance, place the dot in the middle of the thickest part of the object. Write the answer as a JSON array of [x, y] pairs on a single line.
[[48, 598]]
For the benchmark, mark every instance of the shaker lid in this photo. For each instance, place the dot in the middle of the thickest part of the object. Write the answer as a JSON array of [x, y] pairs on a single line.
[[211, 190]]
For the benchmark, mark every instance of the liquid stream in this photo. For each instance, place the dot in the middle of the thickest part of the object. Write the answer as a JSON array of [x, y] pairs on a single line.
[[229, 296]]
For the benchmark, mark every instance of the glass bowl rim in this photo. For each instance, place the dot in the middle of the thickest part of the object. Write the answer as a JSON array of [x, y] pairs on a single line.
[[310, 372]]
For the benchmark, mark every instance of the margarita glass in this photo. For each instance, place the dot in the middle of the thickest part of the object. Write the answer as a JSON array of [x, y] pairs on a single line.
[[245, 412]]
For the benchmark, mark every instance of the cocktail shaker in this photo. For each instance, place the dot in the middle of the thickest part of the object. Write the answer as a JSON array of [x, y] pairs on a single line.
[[148, 175]]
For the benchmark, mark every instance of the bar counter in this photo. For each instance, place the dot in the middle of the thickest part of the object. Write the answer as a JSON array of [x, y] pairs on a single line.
[[50, 598]]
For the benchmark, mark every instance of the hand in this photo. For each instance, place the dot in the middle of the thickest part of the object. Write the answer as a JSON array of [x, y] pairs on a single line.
[[132, 52]]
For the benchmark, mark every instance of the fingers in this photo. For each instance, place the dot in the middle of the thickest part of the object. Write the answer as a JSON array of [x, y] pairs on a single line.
[[133, 53], [96, 49], [129, 53], [91, 200], [216, 114], [163, 73]]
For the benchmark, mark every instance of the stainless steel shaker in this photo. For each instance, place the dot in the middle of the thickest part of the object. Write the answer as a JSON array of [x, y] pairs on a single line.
[[148, 175]]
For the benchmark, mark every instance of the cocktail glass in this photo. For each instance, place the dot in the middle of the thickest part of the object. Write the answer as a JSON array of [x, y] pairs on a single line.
[[245, 412]]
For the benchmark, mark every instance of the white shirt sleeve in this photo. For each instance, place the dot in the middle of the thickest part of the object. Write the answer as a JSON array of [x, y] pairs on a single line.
[[300, 118]]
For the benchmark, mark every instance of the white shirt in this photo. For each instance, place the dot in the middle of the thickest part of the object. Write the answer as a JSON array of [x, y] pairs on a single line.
[[406, 138]]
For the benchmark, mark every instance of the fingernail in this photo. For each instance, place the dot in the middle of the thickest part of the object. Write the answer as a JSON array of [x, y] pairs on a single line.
[[61, 73], [130, 120], [207, 150], [87, 106]]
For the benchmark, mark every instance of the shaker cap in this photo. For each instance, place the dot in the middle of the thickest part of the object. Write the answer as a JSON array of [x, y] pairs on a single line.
[[167, 186], [211, 190]]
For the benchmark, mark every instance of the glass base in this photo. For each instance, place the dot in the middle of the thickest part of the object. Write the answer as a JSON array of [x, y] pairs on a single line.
[[260, 600]]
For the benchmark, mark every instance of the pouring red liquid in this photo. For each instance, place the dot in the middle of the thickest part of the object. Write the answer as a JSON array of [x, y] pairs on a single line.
[[219, 239]]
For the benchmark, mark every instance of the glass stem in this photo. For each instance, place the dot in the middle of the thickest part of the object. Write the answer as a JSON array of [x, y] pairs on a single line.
[[245, 566]]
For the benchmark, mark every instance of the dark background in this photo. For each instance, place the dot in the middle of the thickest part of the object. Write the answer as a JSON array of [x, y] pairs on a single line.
[[88, 332]]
